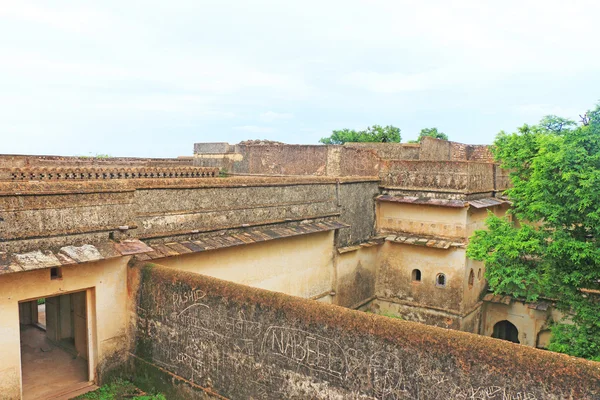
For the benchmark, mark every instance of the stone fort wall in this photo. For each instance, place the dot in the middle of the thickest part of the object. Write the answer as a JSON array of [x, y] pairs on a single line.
[[196, 337]]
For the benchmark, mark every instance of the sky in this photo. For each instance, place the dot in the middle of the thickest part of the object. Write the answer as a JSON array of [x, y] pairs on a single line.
[[151, 78]]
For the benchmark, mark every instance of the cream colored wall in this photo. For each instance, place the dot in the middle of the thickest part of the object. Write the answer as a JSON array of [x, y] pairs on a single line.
[[473, 294], [108, 278], [476, 217], [529, 322], [356, 276], [406, 312], [420, 219], [300, 266], [394, 279]]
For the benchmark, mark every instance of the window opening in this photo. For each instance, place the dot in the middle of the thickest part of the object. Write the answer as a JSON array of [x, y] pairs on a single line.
[[56, 273], [471, 279], [416, 275], [440, 280]]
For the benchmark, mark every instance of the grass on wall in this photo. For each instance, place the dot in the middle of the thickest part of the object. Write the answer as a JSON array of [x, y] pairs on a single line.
[[119, 390]]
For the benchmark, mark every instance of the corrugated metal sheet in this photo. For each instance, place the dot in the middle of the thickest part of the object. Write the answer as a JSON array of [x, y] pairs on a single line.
[[236, 239]]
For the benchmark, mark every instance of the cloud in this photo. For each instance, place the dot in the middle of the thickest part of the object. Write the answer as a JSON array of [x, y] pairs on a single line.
[[254, 129], [70, 19], [271, 116]]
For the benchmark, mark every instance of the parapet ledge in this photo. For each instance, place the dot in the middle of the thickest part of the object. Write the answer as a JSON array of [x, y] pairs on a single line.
[[432, 201]]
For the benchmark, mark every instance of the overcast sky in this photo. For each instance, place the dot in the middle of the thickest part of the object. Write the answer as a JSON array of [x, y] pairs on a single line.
[[150, 78]]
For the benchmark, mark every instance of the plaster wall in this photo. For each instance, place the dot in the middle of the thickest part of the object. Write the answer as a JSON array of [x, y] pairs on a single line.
[[300, 266], [476, 217], [356, 276], [414, 313], [394, 276], [528, 321], [474, 283], [109, 339], [421, 219]]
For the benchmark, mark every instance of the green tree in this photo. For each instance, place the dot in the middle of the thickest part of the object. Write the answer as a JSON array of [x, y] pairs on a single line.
[[555, 171], [375, 133], [431, 132]]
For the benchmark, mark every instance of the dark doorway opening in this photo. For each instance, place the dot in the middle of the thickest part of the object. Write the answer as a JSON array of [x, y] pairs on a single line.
[[54, 347], [506, 331]]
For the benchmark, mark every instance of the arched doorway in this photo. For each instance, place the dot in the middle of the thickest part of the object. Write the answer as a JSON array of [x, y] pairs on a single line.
[[506, 331]]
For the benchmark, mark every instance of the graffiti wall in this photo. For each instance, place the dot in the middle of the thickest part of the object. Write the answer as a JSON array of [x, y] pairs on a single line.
[[202, 337]]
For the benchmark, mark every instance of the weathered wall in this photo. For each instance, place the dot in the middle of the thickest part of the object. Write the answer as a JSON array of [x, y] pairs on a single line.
[[394, 276], [197, 335], [19, 161], [390, 151], [528, 321], [42, 215], [448, 177], [357, 207], [300, 266], [356, 272], [442, 150], [421, 219], [107, 278], [283, 160]]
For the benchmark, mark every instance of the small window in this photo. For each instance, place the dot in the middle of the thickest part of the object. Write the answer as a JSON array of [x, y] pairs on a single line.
[[440, 280], [471, 279], [416, 275], [479, 274], [56, 273]]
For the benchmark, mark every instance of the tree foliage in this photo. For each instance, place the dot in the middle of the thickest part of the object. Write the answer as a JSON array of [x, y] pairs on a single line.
[[375, 133], [431, 132], [555, 172]]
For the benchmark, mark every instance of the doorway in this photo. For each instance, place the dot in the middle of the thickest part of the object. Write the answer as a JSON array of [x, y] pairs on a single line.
[[54, 345], [506, 331]]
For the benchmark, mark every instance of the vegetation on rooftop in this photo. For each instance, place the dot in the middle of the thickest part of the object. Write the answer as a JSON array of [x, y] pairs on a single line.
[[555, 171], [119, 390]]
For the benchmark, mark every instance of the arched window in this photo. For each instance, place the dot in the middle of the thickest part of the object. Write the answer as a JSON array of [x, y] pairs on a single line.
[[471, 279], [440, 280], [416, 275], [506, 331], [479, 274]]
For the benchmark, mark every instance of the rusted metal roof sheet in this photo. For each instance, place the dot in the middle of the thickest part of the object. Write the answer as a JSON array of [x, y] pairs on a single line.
[[222, 241], [69, 255], [487, 202], [131, 246], [425, 241], [374, 241], [422, 200]]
